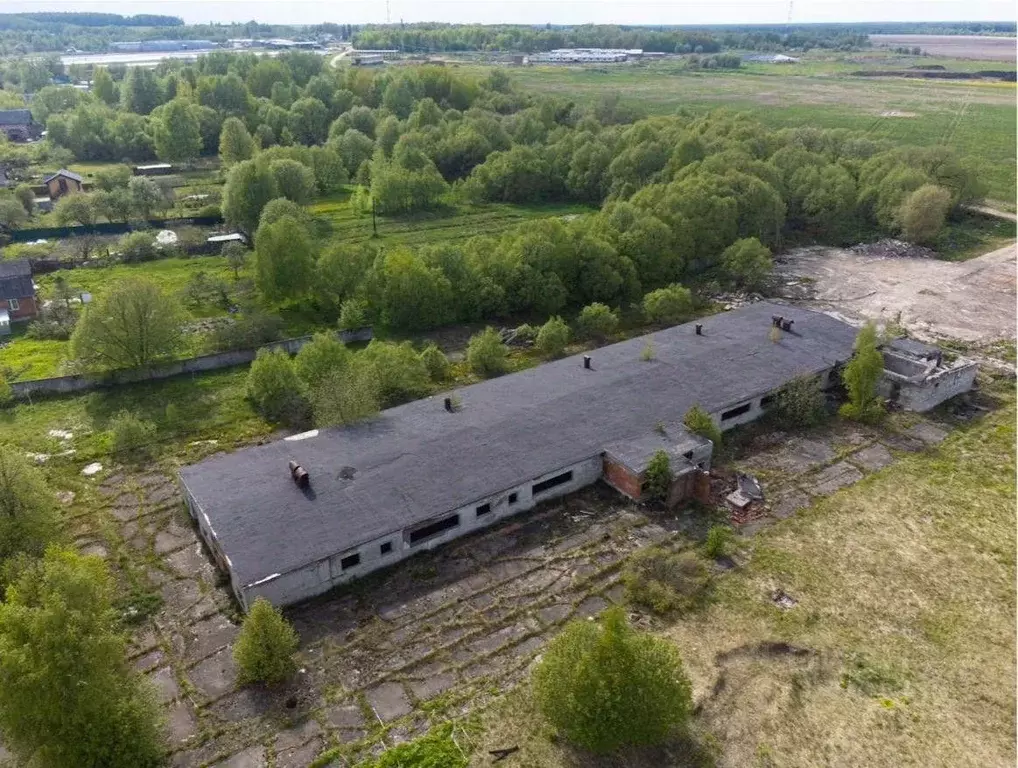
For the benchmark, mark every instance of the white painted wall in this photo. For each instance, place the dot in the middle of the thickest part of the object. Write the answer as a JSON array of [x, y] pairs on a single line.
[[321, 576]]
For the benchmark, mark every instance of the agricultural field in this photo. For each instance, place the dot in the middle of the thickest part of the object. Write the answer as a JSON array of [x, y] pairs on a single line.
[[975, 118], [978, 47]]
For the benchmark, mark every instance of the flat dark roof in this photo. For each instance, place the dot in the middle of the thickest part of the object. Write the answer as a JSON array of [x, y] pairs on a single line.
[[417, 461]]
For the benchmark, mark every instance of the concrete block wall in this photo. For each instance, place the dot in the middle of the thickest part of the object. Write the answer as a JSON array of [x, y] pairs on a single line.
[[939, 387], [320, 576]]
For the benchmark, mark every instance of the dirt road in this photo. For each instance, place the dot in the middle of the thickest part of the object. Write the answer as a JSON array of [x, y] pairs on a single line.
[[973, 301]]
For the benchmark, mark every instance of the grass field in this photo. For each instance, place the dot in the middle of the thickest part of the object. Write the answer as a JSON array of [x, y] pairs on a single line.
[[977, 119], [436, 227], [905, 618]]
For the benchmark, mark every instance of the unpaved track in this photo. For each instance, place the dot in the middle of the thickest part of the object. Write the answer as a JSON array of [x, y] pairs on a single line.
[[973, 301]]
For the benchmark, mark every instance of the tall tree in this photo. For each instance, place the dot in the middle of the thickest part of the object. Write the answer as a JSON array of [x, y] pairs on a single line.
[[140, 91], [294, 181], [68, 696], [132, 325], [103, 86], [249, 188], [146, 196], [28, 517], [177, 132], [284, 260], [862, 375], [235, 143]]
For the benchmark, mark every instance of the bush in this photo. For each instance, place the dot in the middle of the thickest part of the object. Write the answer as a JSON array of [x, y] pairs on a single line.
[[668, 305], [353, 314], [132, 437], [718, 538], [397, 370], [747, 263], [605, 685], [597, 321], [273, 387], [526, 332], [137, 246], [801, 403], [265, 646], [436, 362], [6, 391], [319, 358], [666, 582], [436, 749], [553, 337], [923, 213], [647, 354], [486, 354], [657, 478], [248, 331], [699, 422]]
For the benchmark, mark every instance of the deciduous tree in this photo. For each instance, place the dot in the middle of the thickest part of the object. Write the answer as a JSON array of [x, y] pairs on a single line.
[[861, 376], [284, 260], [68, 696], [265, 646], [235, 143], [28, 516], [177, 132], [486, 354], [132, 325], [249, 187], [923, 213]]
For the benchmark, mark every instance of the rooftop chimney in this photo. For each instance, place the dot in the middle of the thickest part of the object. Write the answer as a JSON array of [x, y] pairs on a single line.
[[448, 404], [776, 320], [586, 362], [786, 325], [299, 474], [699, 329]]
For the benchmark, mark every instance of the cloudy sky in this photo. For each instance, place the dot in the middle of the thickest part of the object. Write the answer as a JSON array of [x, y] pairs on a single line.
[[541, 11]]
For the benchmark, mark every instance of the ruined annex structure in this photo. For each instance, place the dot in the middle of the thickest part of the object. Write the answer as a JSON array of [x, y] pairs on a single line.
[[917, 377], [299, 516]]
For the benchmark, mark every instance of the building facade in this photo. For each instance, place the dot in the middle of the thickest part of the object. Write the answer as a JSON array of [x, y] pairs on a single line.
[[17, 291]]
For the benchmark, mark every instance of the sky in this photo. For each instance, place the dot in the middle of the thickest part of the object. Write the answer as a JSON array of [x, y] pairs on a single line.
[[541, 11]]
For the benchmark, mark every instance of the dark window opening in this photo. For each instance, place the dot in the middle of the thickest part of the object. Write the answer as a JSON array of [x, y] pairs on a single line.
[[434, 529], [767, 400], [483, 509], [386, 548], [551, 482], [513, 498], [688, 455], [350, 561], [736, 412]]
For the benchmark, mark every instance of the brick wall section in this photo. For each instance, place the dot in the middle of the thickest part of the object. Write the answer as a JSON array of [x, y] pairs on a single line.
[[26, 308], [621, 479]]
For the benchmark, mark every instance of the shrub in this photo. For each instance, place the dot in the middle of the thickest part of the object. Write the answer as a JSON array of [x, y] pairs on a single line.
[[436, 362], [250, 330], [353, 314], [273, 387], [486, 354], [718, 538], [666, 582], [606, 685], [132, 436], [6, 391], [923, 213], [657, 478], [319, 358], [668, 305], [265, 646], [553, 337], [801, 403], [137, 246], [397, 370], [647, 354], [699, 422], [597, 321], [861, 376], [747, 263]]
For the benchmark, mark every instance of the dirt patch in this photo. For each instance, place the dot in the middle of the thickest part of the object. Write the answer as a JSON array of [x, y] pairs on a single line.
[[973, 301], [979, 47], [896, 113]]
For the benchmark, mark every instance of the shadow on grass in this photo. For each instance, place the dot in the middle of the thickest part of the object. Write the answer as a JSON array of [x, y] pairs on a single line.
[[689, 750]]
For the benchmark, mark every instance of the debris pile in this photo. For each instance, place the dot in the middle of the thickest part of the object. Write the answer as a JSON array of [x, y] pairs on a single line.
[[889, 248]]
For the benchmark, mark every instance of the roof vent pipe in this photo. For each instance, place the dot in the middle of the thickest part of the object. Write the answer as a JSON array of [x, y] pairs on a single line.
[[776, 320], [786, 325], [299, 475], [586, 362], [699, 329], [448, 404]]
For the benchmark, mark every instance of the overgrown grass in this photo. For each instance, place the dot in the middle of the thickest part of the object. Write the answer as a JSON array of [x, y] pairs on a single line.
[[974, 234], [901, 650]]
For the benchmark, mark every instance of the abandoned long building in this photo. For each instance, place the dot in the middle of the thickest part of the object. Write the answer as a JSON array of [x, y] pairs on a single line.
[[415, 476]]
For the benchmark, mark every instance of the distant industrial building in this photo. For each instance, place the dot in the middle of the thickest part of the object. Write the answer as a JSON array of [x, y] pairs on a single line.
[[160, 46], [771, 58], [587, 55]]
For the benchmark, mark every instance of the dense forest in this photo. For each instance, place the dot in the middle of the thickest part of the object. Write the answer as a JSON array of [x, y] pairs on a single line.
[[680, 199]]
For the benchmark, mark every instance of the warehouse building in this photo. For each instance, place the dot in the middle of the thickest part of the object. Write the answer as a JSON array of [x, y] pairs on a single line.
[[299, 516]]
